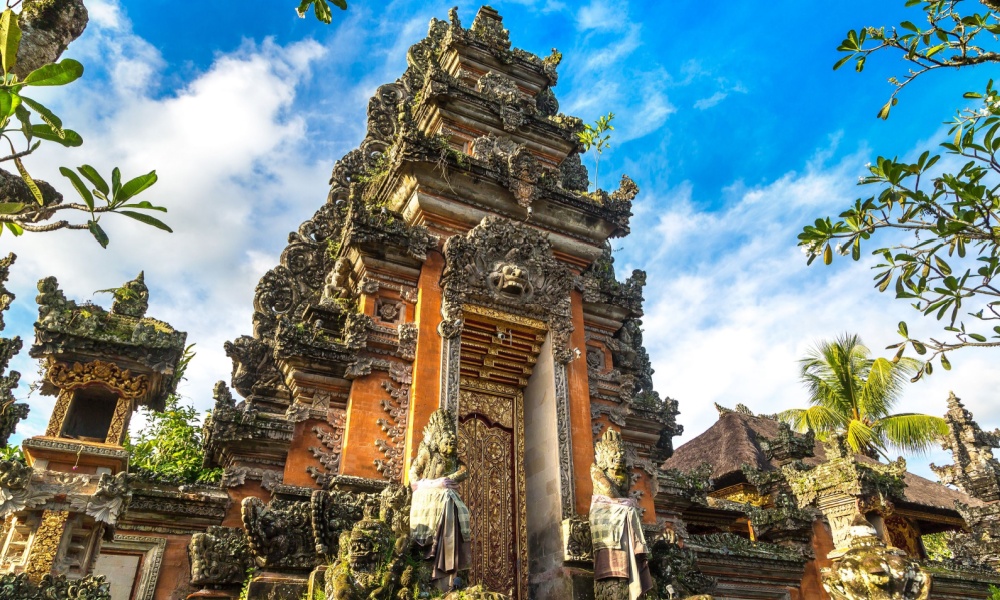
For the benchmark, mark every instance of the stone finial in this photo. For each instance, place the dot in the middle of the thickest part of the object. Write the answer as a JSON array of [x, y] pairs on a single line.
[[975, 471], [132, 298], [487, 27]]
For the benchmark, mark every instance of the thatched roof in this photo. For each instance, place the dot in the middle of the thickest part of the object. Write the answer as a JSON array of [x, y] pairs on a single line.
[[736, 439]]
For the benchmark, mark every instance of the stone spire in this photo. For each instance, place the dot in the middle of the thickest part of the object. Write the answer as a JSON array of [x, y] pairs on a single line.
[[975, 471]]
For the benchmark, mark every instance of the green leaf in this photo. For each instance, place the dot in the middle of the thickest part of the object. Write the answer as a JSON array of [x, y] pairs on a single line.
[[883, 113], [841, 62], [98, 233], [903, 330], [977, 337], [116, 181], [15, 228], [24, 117], [10, 40], [147, 219], [945, 363], [145, 206], [919, 347], [37, 193], [60, 73], [81, 189], [10, 208], [47, 115], [9, 102], [134, 187], [69, 138], [94, 178]]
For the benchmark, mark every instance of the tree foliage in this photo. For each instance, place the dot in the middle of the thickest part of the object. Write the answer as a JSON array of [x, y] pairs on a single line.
[[321, 8], [854, 395], [948, 258], [169, 448], [35, 206], [597, 137]]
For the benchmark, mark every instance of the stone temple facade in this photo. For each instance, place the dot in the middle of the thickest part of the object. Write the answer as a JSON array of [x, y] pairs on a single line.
[[460, 262]]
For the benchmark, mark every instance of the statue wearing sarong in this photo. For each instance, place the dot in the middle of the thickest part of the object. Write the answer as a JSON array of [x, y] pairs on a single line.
[[439, 520], [620, 567]]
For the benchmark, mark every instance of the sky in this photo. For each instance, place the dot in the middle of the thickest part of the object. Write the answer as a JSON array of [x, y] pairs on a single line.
[[728, 115]]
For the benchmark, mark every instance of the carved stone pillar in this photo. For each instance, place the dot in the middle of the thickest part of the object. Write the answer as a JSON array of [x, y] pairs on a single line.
[[46, 545]]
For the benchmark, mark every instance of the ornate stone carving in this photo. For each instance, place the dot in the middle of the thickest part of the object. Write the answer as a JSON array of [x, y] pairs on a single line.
[[615, 524], [334, 512], [508, 266], [253, 366], [45, 545], [10, 412], [521, 172], [577, 545], [975, 471], [788, 445], [565, 434], [122, 381], [329, 455], [372, 562], [22, 587], [63, 327], [573, 175], [870, 570], [237, 476], [407, 340], [16, 490], [132, 298], [280, 533], [513, 105], [675, 570], [436, 472], [110, 499], [397, 407], [843, 483], [219, 557]]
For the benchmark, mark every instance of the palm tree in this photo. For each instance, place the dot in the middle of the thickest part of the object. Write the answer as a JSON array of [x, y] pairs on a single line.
[[851, 394]]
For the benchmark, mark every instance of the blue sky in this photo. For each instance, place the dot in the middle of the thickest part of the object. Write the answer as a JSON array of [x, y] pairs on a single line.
[[728, 115]]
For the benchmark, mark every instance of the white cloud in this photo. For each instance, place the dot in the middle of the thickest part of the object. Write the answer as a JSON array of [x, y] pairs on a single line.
[[614, 53], [714, 99], [234, 173], [602, 15], [731, 305]]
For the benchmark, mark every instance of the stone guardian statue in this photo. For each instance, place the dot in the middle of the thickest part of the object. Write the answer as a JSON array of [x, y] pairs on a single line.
[[620, 567], [439, 520]]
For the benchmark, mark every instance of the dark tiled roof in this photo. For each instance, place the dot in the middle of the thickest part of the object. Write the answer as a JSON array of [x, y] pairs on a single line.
[[735, 439]]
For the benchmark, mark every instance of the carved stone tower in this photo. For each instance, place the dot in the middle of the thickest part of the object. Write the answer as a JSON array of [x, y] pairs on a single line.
[[101, 366], [460, 262], [977, 473]]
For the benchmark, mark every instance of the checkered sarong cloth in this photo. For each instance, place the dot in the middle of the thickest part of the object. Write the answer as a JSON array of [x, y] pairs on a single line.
[[429, 506], [607, 522]]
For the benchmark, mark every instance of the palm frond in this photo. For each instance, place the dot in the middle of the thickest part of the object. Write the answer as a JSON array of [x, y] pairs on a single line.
[[862, 439], [911, 432], [833, 372], [884, 385], [820, 419]]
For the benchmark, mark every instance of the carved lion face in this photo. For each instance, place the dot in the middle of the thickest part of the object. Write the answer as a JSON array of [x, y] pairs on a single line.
[[511, 279]]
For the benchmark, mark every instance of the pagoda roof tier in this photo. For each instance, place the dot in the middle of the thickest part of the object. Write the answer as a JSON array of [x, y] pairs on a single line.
[[81, 333]]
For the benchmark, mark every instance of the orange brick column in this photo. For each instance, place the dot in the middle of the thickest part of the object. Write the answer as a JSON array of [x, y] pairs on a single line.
[[579, 410], [426, 391]]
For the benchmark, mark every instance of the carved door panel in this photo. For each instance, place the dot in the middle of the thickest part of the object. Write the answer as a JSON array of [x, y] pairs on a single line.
[[491, 444]]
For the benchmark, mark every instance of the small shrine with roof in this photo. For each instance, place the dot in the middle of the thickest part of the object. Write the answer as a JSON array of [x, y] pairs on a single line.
[[445, 394]]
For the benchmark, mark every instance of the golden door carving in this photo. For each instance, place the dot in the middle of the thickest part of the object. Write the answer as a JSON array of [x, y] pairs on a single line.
[[491, 443]]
